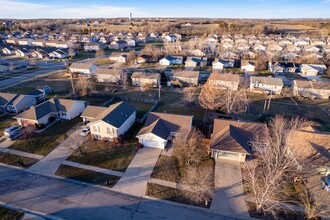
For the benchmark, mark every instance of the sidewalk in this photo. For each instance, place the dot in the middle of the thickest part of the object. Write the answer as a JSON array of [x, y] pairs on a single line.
[[50, 163], [92, 168], [21, 153], [135, 179]]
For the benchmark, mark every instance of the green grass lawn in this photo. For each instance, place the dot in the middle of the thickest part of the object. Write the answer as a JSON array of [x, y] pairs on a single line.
[[46, 141], [106, 155], [9, 214], [13, 160], [87, 176]]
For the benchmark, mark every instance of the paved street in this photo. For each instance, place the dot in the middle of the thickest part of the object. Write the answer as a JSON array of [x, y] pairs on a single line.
[[67, 200], [50, 67], [229, 197], [134, 180], [52, 161]]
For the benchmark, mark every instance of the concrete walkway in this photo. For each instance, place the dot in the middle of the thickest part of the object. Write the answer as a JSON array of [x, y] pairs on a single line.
[[92, 168], [5, 143], [229, 197], [21, 153], [56, 198], [134, 181], [50, 163], [168, 184]]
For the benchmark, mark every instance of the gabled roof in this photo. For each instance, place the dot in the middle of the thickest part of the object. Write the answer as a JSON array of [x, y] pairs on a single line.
[[186, 74], [267, 80], [320, 85], [106, 71], [79, 65], [247, 62], [144, 75], [234, 135], [115, 115], [162, 124], [225, 77], [5, 98]]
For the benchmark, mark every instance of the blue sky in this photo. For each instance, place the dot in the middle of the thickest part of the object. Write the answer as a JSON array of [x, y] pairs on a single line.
[[168, 8]]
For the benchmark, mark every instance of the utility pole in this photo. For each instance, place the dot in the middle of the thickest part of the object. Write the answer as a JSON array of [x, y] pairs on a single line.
[[71, 78], [159, 89]]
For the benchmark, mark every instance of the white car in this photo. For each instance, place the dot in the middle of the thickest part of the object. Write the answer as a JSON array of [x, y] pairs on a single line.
[[11, 130], [85, 131]]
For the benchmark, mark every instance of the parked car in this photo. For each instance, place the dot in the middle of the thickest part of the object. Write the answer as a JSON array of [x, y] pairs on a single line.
[[14, 135], [10, 130], [325, 182], [85, 131]]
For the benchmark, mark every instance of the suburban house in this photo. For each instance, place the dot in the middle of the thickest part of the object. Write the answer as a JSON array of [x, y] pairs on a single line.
[[25, 41], [110, 122], [83, 68], [266, 84], [118, 45], [144, 58], [276, 68], [186, 77], [248, 66], [220, 64], [315, 89], [108, 75], [119, 57], [195, 61], [53, 108], [225, 81], [160, 128], [145, 79], [312, 69], [232, 139], [59, 54], [5, 99], [92, 46], [171, 60]]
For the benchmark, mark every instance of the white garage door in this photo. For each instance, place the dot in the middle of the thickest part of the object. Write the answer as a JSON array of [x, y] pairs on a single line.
[[228, 155], [153, 143]]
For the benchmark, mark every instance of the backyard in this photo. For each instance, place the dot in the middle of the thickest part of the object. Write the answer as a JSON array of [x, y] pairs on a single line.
[[44, 142]]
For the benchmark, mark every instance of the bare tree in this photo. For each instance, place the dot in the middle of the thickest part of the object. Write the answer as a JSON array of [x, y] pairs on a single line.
[[152, 50], [123, 77], [198, 184], [189, 142], [274, 166], [131, 57], [189, 94], [209, 97], [71, 52], [83, 85], [99, 54], [233, 102]]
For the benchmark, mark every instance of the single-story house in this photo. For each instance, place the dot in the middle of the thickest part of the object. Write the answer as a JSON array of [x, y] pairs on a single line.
[[109, 122], [232, 139], [195, 61], [225, 81], [83, 68], [316, 89], [220, 64], [171, 60], [55, 107], [108, 75], [248, 66], [160, 128], [186, 77], [268, 84], [119, 57], [145, 79], [312, 69]]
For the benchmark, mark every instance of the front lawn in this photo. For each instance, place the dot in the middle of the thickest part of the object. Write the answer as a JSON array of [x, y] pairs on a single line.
[[15, 160], [87, 176], [9, 214], [47, 140], [106, 155], [167, 168]]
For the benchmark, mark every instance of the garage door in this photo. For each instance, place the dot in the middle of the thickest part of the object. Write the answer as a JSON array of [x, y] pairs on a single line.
[[228, 155], [153, 143]]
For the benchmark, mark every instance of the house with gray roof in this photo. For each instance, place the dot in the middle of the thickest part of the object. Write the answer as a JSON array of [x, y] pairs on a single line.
[[311, 89], [160, 128], [108, 75], [5, 99], [53, 108], [85, 68], [186, 77], [270, 85], [145, 79], [111, 122]]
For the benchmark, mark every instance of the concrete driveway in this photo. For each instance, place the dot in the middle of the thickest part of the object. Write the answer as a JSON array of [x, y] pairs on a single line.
[[229, 197], [134, 181]]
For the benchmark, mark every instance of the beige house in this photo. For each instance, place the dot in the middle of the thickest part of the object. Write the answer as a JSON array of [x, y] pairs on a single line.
[[145, 79], [195, 61], [83, 68], [110, 122], [312, 89], [160, 128], [248, 66], [231, 140], [119, 57], [225, 81], [107, 75], [312, 69], [266, 84], [186, 77]]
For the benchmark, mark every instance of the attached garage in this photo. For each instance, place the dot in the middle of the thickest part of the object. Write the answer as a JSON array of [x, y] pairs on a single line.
[[228, 155], [151, 140]]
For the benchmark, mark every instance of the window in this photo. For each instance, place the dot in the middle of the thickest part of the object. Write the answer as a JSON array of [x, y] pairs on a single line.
[[63, 113], [109, 131], [95, 129]]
